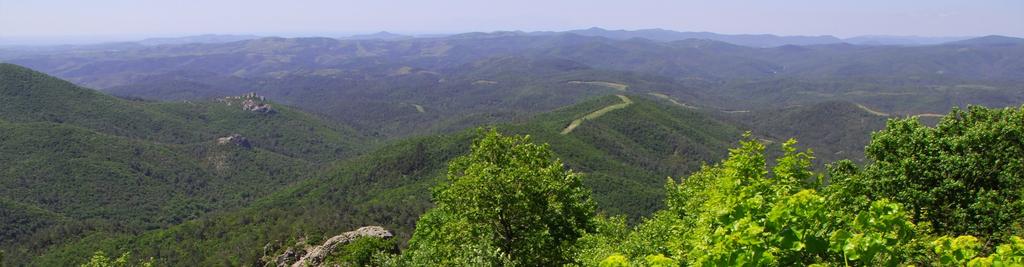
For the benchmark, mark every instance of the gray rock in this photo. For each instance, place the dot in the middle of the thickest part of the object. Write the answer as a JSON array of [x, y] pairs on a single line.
[[315, 255], [236, 139], [256, 106]]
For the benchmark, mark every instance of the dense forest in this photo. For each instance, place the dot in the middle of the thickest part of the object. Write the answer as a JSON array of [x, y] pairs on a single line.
[[583, 148], [407, 87], [948, 195]]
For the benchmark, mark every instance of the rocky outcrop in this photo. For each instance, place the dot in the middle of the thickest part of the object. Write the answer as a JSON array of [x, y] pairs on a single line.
[[235, 139], [255, 106], [249, 102], [289, 256], [314, 256]]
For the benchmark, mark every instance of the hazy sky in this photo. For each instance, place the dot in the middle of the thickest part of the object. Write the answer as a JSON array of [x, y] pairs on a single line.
[[141, 18]]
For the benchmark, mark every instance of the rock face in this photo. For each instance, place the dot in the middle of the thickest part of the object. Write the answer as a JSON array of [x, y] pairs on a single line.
[[250, 102], [254, 106], [289, 255], [314, 256], [236, 139]]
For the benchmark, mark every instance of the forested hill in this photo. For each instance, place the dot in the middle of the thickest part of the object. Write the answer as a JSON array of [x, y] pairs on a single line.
[[391, 185], [873, 214], [625, 155], [31, 96], [206, 182], [78, 163], [405, 87]]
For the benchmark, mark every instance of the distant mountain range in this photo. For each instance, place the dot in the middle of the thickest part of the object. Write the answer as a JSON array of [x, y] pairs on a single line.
[[660, 35], [990, 40], [401, 87], [901, 40], [753, 40], [383, 35], [198, 39], [769, 40]]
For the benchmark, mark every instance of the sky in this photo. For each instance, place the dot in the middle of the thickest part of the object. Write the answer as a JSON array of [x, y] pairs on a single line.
[[94, 20]]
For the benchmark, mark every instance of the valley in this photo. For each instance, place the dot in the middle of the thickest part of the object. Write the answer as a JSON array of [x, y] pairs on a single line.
[[234, 150]]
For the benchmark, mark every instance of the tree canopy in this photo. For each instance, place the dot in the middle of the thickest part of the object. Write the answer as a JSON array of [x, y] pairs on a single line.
[[930, 196], [965, 176], [508, 202], [948, 195]]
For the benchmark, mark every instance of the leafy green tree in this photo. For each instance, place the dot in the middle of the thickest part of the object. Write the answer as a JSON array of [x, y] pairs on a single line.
[[658, 260], [963, 176], [360, 252], [963, 251], [955, 251], [100, 259], [616, 260], [738, 213], [1008, 254], [597, 246], [506, 203], [654, 237], [880, 236], [800, 225], [848, 192]]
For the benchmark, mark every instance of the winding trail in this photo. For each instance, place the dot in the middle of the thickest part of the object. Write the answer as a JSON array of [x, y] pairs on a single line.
[[673, 100], [616, 86], [597, 114], [872, 111], [879, 113]]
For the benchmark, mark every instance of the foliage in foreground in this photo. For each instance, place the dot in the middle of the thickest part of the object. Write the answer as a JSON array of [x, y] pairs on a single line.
[[909, 206], [963, 176], [506, 203], [929, 198]]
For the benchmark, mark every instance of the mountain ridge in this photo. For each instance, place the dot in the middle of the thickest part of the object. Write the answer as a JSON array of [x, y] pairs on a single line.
[[752, 40], [78, 163]]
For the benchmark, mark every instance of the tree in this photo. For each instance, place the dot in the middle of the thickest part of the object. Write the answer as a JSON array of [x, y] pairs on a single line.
[[742, 213], [100, 259], [880, 236], [506, 203], [963, 176], [1008, 254]]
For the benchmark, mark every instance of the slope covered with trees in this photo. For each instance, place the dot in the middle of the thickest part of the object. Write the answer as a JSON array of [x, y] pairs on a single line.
[[36, 97], [745, 212], [391, 185], [403, 87], [889, 212], [232, 182], [78, 163]]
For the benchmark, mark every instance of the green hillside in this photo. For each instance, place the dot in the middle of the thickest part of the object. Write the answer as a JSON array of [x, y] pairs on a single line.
[[30, 96], [76, 162], [627, 153], [240, 180], [948, 195], [415, 86], [625, 156], [835, 130]]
